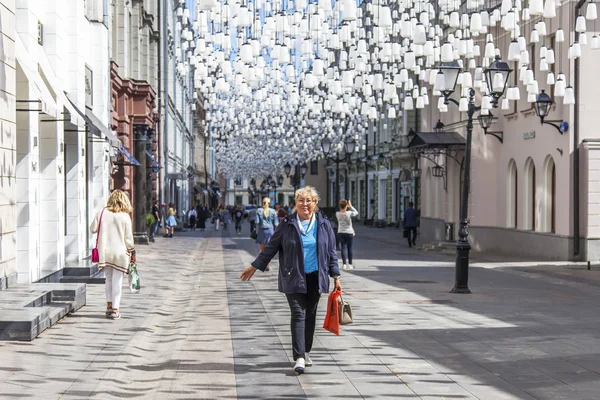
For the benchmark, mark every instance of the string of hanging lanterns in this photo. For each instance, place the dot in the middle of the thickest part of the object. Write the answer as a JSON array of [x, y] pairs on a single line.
[[278, 76]]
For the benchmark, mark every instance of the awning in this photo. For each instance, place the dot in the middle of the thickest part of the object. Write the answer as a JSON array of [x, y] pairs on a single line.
[[90, 118], [46, 69], [94, 123], [46, 103], [128, 156], [436, 141], [155, 163]]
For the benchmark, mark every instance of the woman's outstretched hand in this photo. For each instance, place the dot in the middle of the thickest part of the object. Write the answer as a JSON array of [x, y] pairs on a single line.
[[248, 273]]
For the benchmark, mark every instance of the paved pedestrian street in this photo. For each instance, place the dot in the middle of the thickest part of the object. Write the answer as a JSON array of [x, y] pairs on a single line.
[[196, 331]]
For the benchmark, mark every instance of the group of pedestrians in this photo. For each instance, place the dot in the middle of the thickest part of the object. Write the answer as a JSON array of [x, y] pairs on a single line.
[[302, 237]]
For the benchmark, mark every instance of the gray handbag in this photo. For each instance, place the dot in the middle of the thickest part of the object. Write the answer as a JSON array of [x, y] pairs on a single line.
[[344, 311]]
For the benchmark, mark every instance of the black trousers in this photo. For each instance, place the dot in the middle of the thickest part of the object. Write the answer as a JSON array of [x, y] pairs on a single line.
[[303, 308], [412, 240], [346, 240]]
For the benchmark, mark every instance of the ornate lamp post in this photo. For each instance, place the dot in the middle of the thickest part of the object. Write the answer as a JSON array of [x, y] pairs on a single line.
[[496, 76]]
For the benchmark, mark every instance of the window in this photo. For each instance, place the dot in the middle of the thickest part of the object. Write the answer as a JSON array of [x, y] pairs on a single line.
[[314, 167], [512, 196], [530, 202], [549, 196]]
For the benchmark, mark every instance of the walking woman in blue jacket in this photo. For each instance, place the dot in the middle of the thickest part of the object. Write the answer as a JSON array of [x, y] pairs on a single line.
[[305, 242], [266, 221]]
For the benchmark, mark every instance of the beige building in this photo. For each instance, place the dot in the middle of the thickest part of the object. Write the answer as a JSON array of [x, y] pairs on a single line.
[[534, 193]]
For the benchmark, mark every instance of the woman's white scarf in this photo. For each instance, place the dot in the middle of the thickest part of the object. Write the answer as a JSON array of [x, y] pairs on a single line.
[[310, 225]]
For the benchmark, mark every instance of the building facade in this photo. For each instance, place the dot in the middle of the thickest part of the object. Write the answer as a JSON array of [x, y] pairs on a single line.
[[134, 116], [56, 136], [533, 193], [177, 104]]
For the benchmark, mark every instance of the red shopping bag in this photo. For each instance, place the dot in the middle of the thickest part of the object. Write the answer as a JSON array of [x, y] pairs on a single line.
[[332, 319]]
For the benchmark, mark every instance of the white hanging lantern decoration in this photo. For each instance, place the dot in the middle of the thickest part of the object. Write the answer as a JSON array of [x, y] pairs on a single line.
[[514, 52], [550, 79], [408, 103], [560, 36], [205, 5], [550, 9], [560, 86], [595, 43], [463, 104], [447, 54], [513, 93], [569, 98], [591, 14], [505, 104], [246, 53], [580, 25], [550, 56], [476, 23]]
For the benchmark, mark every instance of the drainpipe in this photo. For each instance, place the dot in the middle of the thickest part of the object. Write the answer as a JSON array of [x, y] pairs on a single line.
[[576, 227]]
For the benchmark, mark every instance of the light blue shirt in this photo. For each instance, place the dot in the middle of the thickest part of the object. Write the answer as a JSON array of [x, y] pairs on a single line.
[[309, 244]]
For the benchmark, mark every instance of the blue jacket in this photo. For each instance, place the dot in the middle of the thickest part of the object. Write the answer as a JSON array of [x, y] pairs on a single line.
[[266, 222], [287, 242], [410, 218]]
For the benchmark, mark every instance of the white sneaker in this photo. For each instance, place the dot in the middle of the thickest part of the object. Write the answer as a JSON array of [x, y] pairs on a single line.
[[343, 266], [308, 362], [349, 266], [300, 365]]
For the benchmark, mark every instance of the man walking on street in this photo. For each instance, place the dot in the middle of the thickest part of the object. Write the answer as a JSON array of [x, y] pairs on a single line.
[[410, 224], [238, 217]]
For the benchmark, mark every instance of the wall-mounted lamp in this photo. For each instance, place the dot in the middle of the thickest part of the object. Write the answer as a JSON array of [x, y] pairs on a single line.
[[543, 102], [486, 121]]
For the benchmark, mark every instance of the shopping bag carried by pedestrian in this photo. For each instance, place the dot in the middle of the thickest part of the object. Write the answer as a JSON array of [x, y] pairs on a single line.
[[344, 311], [332, 319], [95, 254], [134, 278]]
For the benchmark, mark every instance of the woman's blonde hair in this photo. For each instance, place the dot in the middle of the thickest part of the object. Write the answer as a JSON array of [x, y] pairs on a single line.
[[267, 201], [307, 191], [119, 202]]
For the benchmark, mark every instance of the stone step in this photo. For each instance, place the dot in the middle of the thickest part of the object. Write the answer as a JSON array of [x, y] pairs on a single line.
[[29, 309], [80, 277], [83, 273]]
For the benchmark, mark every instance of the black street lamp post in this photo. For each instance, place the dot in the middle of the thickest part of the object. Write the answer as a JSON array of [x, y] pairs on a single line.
[[496, 76], [349, 146], [296, 178]]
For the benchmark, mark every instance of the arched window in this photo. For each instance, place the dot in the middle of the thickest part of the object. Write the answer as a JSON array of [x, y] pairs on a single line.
[[512, 196], [530, 195], [549, 213]]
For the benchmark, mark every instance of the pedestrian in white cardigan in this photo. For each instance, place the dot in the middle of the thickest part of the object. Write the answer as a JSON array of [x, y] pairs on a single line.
[[115, 247]]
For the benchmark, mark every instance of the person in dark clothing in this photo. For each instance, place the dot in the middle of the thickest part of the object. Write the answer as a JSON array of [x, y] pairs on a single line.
[[410, 224], [305, 242], [156, 214], [238, 217], [203, 215]]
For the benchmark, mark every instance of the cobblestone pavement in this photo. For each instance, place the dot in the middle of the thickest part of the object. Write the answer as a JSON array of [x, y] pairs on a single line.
[[197, 332]]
